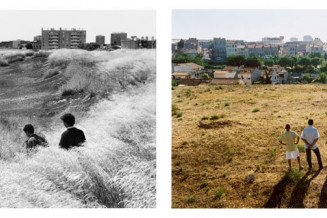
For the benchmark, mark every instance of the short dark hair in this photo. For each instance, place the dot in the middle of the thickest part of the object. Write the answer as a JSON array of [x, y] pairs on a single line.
[[69, 119], [287, 126], [28, 128], [310, 122]]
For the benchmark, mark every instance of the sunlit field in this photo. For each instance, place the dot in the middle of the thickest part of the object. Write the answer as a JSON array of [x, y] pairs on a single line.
[[112, 95], [225, 149]]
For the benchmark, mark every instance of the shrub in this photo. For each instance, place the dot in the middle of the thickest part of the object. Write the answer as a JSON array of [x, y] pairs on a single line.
[[174, 82], [188, 92], [191, 199], [68, 92], [214, 117], [255, 110], [42, 53], [174, 110], [205, 118], [227, 104], [179, 115], [218, 87], [220, 193], [203, 184]]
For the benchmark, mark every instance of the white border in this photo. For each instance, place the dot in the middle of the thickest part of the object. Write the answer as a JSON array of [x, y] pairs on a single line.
[[163, 36]]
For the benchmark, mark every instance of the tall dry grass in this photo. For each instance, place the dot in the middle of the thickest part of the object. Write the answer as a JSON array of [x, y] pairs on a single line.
[[117, 167]]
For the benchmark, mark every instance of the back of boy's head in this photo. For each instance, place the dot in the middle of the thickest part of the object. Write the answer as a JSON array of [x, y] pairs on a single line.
[[287, 126], [69, 119], [28, 128], [310, 122]]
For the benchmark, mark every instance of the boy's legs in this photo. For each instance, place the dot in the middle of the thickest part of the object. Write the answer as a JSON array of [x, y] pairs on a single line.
[[289, 164], [308, 152], [317, 153], [299, 161]]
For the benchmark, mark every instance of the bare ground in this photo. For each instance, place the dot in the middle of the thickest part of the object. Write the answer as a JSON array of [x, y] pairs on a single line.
[[212, 157]]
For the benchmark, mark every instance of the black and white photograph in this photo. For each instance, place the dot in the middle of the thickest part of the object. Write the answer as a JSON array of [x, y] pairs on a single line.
[[78, 109]]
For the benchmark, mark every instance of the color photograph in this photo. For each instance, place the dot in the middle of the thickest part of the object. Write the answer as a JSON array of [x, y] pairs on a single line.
[[249, 108]]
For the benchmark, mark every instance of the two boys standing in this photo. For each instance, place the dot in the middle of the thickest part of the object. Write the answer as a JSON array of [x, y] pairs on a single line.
[[309, 136]]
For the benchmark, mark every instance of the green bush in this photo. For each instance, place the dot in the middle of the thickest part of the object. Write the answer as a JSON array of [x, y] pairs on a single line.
[[220, 193], [255, 110], [179, 115], [227, 104], [214, 117], [205, 118]]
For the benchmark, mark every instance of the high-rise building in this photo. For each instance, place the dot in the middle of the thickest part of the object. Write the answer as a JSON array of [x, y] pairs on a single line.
[[116, 38], [219, 45], [273, 40], [62, 38], [100, 40]]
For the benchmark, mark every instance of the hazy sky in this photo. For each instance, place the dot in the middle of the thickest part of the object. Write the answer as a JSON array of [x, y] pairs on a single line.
[[250, 25], [27, 24]]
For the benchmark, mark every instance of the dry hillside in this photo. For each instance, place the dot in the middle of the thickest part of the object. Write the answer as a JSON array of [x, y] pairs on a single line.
[[238, 136]]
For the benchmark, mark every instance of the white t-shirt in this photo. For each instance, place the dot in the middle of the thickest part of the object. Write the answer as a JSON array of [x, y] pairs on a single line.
[[310, 134]]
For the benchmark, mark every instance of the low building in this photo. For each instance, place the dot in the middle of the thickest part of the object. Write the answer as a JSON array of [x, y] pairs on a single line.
[[188, 70], [249, 75], [278, 75], [226, 72]]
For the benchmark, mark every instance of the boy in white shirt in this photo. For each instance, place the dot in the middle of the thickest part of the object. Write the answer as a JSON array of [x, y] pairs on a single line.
[[310, 136]]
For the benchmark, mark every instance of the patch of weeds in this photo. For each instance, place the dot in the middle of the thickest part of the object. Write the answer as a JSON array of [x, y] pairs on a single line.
[[204, 184], [207, 189], [293, 175], [272, 152], [204, 174], [214, 117], [174, 110], [326, 112], [258, 167], [190, 199], [301, 148], [220, 193], [227, 104], [179, 101], [188, 92], [224, 175], [179, 115], [255, 110], [218, 87], [208, 90], [205, 118]]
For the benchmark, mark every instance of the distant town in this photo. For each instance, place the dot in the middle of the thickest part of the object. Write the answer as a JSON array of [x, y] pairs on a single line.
[[269, 61], [76, 39]]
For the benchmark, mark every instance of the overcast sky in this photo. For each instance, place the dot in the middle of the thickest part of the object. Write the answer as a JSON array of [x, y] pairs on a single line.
[[250, 25], [27, 24]]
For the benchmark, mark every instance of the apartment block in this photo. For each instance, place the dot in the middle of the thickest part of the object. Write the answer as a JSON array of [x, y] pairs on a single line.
[[116, 38], [100, 40], [62, 38]]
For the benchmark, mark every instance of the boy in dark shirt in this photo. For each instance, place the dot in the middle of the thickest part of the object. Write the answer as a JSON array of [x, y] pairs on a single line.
[[33, 140], [72, 137]]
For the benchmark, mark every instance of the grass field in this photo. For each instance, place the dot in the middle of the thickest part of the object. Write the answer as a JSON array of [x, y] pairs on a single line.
[[221, 134], [112, 95]]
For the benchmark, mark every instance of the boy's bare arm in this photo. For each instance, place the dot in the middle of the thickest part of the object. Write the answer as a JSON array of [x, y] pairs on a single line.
[[281, 142], [297, 140]]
